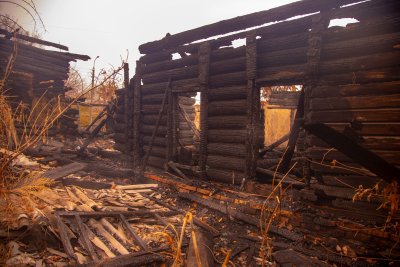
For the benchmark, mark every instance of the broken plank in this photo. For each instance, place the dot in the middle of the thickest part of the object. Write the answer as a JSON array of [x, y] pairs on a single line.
[[229, 210], [63, 171], [103, 232], [86, 239], [62, 229], [132, 231], [135, 186]]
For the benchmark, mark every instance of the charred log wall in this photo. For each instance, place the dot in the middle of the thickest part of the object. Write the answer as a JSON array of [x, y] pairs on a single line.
[[38, 72], [350, 74]]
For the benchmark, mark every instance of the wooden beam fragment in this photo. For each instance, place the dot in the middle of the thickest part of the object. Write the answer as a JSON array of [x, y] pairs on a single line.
[[360, 155]]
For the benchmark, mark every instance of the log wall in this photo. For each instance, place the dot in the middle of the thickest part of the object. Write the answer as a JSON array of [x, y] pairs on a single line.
[[38, 72], [350, 76]]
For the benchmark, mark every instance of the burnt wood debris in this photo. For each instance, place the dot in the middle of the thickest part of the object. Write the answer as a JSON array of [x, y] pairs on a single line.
[[349, 76], [189, 135]]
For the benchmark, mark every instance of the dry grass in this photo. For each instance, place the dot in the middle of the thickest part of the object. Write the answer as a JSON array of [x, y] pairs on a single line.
[[17, 183], [268, 215], [175, 240]]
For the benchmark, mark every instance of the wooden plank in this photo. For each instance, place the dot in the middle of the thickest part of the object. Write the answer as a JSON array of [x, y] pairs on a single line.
[[85, 237], [133, 233], [65, 239], [63, 171]]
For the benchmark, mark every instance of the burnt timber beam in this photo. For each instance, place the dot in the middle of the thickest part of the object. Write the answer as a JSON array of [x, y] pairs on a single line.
[[10, 35], [242, 22], [357, 153], [204, 71]]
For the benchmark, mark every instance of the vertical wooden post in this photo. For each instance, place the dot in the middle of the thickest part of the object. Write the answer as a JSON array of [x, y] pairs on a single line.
[[175, 121], [315, 41], [127, 111], [126, 75], [170, 126], [253, 109], [204, 68], [137, 102]]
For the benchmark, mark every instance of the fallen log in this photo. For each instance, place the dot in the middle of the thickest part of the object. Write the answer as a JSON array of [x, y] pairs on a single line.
[[196, 221], [232, 212], [63, 171]]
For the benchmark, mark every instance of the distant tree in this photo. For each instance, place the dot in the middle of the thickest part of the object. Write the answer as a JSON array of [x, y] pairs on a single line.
[[106, 91], [75, 84]]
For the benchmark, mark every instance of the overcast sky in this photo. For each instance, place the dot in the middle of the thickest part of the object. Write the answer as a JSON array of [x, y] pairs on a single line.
[[109, 28]]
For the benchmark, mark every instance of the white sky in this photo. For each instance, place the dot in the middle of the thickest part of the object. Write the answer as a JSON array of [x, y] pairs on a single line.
[[107, 28]]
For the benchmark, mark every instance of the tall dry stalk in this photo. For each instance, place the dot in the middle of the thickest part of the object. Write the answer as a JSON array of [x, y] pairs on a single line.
[[268, 215]]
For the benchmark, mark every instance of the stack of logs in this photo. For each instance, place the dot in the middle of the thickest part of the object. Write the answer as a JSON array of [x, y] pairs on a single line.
[[38, 73]]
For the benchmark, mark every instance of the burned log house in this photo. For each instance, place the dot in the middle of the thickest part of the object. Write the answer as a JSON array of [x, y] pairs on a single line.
[[37, 73], [346, 129], [349, 77]]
